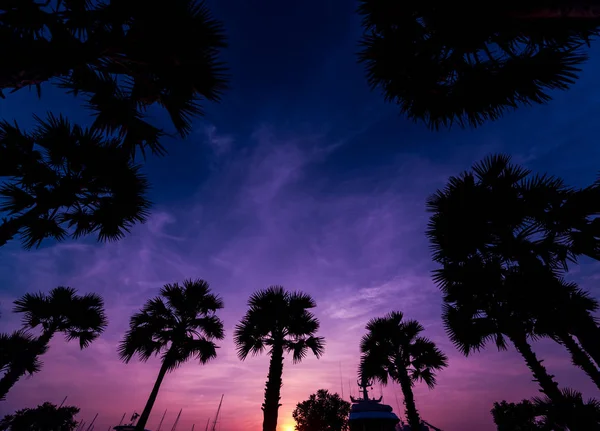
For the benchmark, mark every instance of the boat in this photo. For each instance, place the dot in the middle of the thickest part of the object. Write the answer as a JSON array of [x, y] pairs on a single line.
[[369, 414]]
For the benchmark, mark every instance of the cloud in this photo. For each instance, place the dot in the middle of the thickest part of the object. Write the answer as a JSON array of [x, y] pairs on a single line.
[[220, 144]]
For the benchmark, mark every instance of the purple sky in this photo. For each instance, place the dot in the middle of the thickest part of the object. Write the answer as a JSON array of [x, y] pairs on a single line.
[[301, 177], [360, 254]]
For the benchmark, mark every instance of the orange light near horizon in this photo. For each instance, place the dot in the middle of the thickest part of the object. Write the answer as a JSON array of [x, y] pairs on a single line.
[[287, 427]]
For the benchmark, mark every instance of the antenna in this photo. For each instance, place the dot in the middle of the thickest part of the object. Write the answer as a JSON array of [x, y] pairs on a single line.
[[341, 381], [176, 420], [214, 427], [161, 421], [122, 417], [207, 422], [63, 401]]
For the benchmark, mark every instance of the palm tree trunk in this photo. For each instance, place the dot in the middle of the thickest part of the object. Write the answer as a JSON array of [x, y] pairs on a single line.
[[141, 423], [9, 379], [540, 374], [273, 389], [15, 372], [587, 334], [548, 386], [580, 358], [412, 415]]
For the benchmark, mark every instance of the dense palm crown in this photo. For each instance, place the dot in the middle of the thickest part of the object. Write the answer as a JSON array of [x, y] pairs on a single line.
[[392, 348], [278, 322], [78, 317], [122, 55], [462, 62], [66, 181], [178, 325]]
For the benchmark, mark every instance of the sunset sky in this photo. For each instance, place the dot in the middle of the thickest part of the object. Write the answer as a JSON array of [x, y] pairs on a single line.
[[301, 177]]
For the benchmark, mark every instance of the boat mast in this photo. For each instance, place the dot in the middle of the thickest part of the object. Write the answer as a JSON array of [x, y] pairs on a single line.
[[161, 421], [176, 421], [214, 427], [207, 422], [122, 417], [92, 423]]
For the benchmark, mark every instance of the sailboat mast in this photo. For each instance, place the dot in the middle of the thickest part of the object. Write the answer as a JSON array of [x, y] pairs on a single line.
[[207, 423], [161, 420], [214, 427], [176, 420], [92, 423]]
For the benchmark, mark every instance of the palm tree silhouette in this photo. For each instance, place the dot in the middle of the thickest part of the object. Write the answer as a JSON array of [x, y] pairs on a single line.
[[67, 181], [278, 322], [392, 348], [179, 324], [122, 57], [78, 317], [497, 264], [446, 63], [19, 355]]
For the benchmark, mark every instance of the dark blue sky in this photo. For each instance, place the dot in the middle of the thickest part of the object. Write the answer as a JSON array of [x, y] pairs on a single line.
[[303, 177]]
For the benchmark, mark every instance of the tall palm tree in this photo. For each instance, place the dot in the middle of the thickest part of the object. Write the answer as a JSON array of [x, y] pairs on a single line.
[[278, 322], [178, 325], [456, 62], [78, 317], [497, 264], [392, 347], [585, 414], [19, 355]]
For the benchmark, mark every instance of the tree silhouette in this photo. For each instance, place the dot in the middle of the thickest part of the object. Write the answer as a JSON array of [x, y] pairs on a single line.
[[67, 182], [501, 270], [45, 417], [322, 411], [278, 321], [177, 325], [80, 318], [521, 416], [461, 63], [122, 57], [19, 355], [392, 348], [584, 415]]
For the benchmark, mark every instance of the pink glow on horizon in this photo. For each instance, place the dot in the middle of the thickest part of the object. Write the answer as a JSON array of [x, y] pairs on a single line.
[[359, 253]]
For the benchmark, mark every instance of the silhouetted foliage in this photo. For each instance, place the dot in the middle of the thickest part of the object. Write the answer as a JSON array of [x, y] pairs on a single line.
[[66, 181], [78, 317], [521, 416], [45, 417], [122, 56], [19, 355], [583, 415], [278, 322], [466, 63], [178, 325], [498, 264], [542, 414], [322, 411], [392, 348]]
